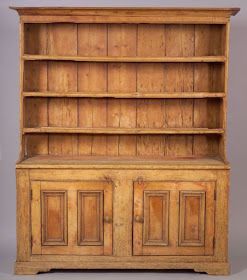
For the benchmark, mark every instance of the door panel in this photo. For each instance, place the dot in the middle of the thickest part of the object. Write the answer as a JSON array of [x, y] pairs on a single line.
[[90, 218], [192, 215], [54, 217], [156, 208], [71, 217], [173, 218]]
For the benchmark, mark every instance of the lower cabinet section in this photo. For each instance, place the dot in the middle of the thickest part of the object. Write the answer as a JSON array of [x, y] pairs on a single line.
[[71, 218], [99, 218], [173, 218]]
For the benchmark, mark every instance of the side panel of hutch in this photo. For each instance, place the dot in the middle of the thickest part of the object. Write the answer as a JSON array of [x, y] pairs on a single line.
[[123, 134]]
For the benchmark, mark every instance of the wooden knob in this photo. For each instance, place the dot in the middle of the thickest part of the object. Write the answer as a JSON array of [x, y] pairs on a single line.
[[107, 219], [139, 219]]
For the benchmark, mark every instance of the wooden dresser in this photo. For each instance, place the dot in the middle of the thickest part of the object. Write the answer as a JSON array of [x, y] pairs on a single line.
[[123, 139]]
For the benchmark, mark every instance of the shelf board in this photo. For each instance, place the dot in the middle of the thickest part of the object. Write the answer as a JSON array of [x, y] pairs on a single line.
[[50, 161], [126, 59], [123, 130], [127, 94]]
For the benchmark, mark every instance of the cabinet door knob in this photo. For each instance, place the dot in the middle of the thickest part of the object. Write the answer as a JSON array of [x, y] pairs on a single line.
[[139, 219], [107, 219]]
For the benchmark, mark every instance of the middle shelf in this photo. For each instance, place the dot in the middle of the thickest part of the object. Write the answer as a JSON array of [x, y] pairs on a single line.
[[123, 130], [140, 95], [123, 116], [126, 58]]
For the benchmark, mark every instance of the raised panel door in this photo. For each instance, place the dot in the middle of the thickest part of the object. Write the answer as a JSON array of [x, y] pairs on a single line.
[[71, 217], [173, 218]]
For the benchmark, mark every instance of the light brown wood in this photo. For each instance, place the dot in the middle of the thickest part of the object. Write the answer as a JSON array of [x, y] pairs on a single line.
[[122, 130], [21, 85], [157, 234], [111, 10], [23, 215], [42, 161], [123, 139], [124, 59], [22, 268], [53, 205], [126, 95], [127, 15]]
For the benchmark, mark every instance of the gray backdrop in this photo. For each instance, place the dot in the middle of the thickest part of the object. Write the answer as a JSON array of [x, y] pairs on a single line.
[[237, 135]]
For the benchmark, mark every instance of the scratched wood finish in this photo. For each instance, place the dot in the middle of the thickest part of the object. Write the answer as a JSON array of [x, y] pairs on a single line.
[[54, 212], [123, 139], [175, 222], [75, 218], [118, 40]]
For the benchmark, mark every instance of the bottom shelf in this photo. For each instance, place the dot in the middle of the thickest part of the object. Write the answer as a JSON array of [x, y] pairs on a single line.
[[50, 161]]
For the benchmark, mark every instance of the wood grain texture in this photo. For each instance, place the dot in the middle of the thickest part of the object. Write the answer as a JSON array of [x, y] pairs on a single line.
[[126, 95], [122, 78], [23, 215], [192, 217], [62, 76], [123, 135], [35, 267], [71, 218], [181, 78], [188, 199], [54, 217], [123, 59], [155, 218], [90, 218], [92, 40]]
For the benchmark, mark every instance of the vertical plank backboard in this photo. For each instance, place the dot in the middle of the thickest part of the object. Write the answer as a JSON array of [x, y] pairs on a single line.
[[179, 77], [35, 79], [92, 77], [62, 76], [150, 78], [208, 41], [122, 78], [35, 38], [36, 112]]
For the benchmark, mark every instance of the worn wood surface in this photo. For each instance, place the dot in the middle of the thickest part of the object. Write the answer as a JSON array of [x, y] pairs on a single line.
[[122, 183], [123, 139], [117, 44], [127, 15], [23, 215], [30, 268], [179, 227]]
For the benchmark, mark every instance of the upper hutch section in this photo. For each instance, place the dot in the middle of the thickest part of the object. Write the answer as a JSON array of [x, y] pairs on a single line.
[[124, 82]]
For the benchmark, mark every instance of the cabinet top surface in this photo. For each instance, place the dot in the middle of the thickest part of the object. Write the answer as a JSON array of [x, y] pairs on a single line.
[[228, 11]]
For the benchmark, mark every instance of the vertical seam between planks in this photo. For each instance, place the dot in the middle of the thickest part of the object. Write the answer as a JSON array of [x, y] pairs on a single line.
[[106, 99], [164, 101], [135, 100], [77, 63], [107, 87], [47, 89], [193, 123]]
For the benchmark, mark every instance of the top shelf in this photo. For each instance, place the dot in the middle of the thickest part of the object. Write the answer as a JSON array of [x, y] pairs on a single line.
[[126, 58]]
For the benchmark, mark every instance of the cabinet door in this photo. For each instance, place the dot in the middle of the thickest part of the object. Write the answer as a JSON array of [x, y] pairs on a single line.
[[173, 218], [71, 218]]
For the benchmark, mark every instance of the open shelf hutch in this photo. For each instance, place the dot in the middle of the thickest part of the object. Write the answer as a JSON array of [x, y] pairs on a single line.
[[123, 134]]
